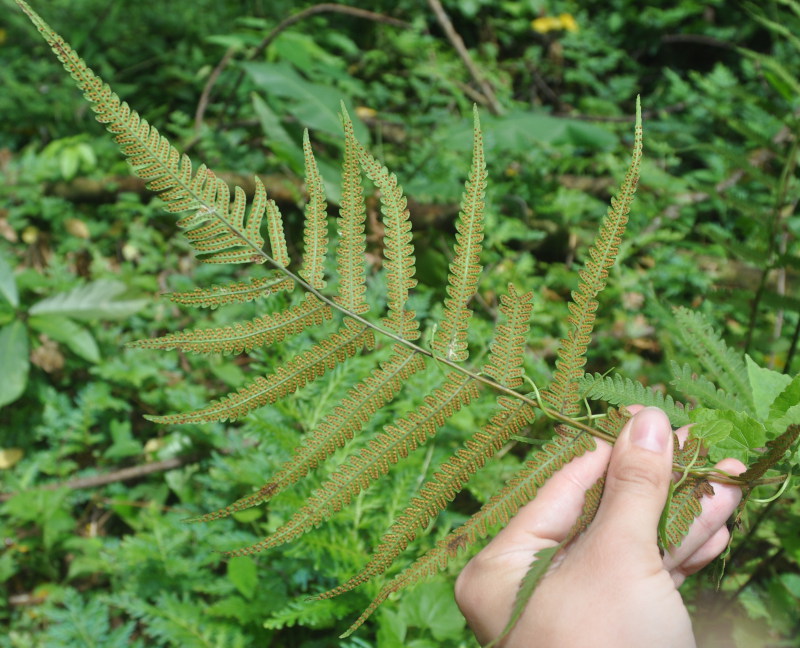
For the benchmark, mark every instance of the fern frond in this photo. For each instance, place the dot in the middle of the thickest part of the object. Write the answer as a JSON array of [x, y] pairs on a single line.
[[702, 389], [398, 248], [716, 357], [240, 337], [315, 232], [507, 349], [217, 228], [386, 449], [237, 292], [624, 391], [336, 429], [563, 395], [352, 240], [518, 491], [776, 450], [441, 489], [277, 239], [450, 341], [684, 507], [297, 372]]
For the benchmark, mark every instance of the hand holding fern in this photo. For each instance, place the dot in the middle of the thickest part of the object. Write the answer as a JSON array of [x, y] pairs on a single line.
[[611, 587]]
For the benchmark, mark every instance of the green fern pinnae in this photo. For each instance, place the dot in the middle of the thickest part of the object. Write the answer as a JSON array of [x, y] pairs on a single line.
[[507, 350], [373, 461], [236, 292], [563, 394], [224, 237], [336, 429], [450, 340], [684, 507], [352, 239], [775, 451], [624, 391], [702, 389], [433, 497], [724, 364], [277, 238], [240, 337], [398, 249], [543, 559], [499, 509], [288, 378], [315, 232]]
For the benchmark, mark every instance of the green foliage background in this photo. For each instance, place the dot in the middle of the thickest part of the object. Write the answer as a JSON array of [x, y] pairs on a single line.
[[713, 227]]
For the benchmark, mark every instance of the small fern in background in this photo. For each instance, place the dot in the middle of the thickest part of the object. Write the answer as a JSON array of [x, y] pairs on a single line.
[[738, 408]]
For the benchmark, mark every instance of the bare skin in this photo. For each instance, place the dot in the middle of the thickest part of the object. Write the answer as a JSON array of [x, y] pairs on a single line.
[[611, 587]]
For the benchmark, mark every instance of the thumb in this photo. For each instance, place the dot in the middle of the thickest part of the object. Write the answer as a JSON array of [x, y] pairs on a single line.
[[638, 478]]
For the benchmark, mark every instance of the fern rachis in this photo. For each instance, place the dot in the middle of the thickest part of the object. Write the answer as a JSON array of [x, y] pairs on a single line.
[[222, 229]]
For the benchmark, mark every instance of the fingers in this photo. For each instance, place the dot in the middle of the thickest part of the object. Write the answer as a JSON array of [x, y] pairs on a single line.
[[638, 480], [707, 536]]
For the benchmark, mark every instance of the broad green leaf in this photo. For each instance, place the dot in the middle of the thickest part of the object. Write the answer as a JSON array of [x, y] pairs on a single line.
[[432, 606], [8, 285], [14, 364], [766, 385], [95, 300], [276, 138], [62, 329], [745, 435], [707, 425], [243, 573], [785, 400]]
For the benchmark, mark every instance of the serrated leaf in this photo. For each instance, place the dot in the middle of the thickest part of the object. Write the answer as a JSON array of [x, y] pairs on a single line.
[[243, 573], [62, 329], [766, 385], [742, 433], [14, 362], [785, 400], [8, 284], [94, 300]]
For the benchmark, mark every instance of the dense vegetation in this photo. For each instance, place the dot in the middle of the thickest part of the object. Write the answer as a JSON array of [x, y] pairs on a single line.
[[84, 251]]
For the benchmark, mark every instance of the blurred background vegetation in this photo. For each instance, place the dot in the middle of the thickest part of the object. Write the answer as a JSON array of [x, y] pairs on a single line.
[[96, 556]]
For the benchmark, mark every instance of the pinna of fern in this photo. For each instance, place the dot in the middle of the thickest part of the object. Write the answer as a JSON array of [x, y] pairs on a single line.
[[222, 230]]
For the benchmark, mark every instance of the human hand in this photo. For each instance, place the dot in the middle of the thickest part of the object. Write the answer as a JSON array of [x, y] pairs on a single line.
[[611, 587]]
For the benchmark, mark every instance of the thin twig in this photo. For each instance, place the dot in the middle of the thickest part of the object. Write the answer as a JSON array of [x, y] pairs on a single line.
[[457, 42], [206, 94]]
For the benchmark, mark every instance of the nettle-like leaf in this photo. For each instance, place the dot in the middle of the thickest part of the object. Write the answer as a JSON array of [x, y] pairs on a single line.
[[223, 228]]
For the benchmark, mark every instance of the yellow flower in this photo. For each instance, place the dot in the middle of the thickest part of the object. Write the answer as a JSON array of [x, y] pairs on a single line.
[[546, 24], [568, 22]]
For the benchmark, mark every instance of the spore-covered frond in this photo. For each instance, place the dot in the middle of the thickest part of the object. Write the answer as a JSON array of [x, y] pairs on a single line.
[[450, 340], [336, 429], [350, 258], [508, 347], [701, 389], [433, 497], [517, 492], [684, 507], [611, 423], [723, 363], [277, 239], [373, 461], [624, 391], [315, 232], [237, 292], [217, 229], [398, 249], [776, 450], [563, 395], [288, 378], [240, 337]]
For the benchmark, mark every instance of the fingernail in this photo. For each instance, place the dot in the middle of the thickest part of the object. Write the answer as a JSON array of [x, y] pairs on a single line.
[[650, 430]]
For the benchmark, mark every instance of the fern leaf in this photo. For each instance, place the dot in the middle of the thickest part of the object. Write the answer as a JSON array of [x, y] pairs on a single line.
[[237, 292], [221, 233], [241, 337], [315, 232], [717, 358], [498, 510], [776, 450], [684, 507], [398, 248], [624, 391], [308, 366], [338, 427], [386, 449], [352, 241], [277, 239], [507, 350], [543, 559], [450, 340], [702, 389], [563, 395]]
